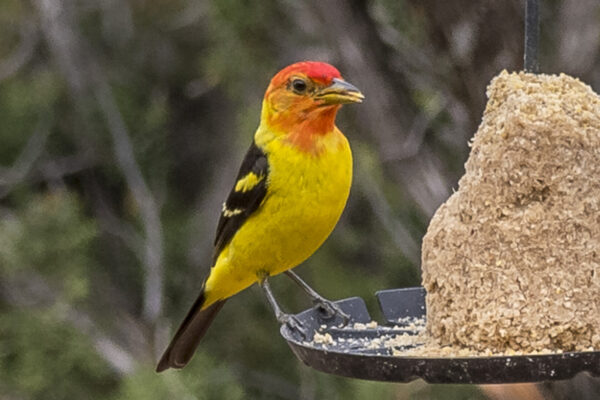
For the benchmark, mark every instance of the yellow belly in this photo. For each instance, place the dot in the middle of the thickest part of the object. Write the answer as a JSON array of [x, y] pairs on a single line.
[[305, 198]]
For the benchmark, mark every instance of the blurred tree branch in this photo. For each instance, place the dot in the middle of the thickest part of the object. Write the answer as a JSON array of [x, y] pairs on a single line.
[[31, 289], [58, 168], [82, 74], [389, 112], [26, 160], [25, 50], [113, 225], [382, 209], [150, 213]]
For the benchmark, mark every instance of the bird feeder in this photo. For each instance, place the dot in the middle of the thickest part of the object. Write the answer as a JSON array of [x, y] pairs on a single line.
[[511, 261]]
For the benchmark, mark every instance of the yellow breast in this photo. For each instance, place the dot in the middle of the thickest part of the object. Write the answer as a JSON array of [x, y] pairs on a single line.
[[306, 194]]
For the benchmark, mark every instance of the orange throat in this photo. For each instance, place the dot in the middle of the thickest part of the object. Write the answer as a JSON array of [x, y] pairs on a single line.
[[304, 130]]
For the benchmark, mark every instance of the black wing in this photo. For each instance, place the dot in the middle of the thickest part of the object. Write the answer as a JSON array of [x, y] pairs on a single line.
[[246, 196]]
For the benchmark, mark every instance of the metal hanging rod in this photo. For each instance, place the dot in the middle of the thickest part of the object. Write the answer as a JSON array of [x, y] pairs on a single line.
[[532, 33]]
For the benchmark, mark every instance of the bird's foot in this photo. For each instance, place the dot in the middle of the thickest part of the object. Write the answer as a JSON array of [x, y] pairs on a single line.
[[331, 309], [293, 323]]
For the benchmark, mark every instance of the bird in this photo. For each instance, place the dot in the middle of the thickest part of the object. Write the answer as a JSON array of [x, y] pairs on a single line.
[[288, 196]]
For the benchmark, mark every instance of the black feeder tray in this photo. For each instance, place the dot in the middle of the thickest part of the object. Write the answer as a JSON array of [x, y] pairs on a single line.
[[354, 357]]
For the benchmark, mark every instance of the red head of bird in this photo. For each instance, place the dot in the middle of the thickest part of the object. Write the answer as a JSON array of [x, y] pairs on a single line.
[[302, 100]]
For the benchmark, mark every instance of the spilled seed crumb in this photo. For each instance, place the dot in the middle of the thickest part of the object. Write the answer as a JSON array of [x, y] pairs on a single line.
[[324, 339], [361, 326], [418, 343]]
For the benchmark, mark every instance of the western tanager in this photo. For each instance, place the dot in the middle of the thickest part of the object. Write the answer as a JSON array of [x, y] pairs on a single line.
[[289, 193]]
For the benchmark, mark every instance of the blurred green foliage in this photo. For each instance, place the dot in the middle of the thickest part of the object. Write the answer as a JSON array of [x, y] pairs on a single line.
[[51, 237], [43, 357]]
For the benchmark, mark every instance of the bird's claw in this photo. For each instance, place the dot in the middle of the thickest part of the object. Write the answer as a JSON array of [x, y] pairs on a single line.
[[293, 323], [331, 309]]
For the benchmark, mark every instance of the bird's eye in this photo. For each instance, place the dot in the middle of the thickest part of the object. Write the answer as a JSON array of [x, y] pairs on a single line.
[[299, 86]]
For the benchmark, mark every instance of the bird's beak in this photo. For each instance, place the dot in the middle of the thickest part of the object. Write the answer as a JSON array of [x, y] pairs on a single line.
[[340, 92]]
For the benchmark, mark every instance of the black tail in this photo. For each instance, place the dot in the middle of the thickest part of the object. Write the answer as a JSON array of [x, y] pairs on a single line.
[[188, 336]]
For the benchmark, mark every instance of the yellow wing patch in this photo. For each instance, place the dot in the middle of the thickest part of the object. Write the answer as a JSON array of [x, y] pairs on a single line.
[[248, 182]]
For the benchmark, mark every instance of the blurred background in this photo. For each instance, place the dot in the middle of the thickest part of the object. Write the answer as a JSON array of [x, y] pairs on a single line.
[[122, 125]]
